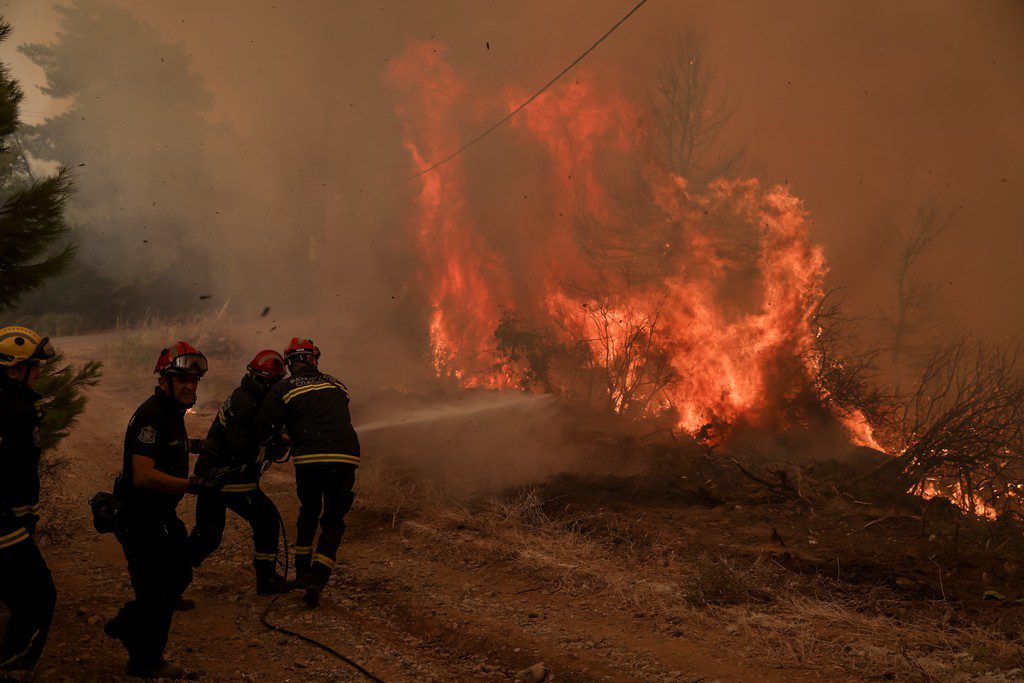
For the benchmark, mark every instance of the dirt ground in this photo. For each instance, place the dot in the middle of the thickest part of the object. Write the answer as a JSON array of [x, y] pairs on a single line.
[[648, 577]]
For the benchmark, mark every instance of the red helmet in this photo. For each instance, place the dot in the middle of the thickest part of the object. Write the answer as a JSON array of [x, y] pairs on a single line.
[[300, 347], [181, 359], [267, 364]]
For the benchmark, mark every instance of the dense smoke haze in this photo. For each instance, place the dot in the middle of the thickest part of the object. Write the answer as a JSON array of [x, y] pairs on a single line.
[[691, 353], [289, 124]]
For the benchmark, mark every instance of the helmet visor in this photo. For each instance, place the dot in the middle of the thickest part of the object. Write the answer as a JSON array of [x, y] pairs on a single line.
[[267, 373], [188, 363], [44, 350]]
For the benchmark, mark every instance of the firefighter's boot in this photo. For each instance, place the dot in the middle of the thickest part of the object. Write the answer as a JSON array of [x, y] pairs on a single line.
[[302, 565], [318, 576], [116, 630], [268, 581], [312, 595]]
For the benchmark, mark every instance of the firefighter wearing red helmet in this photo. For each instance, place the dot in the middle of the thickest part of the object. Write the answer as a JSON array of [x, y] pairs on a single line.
[[313, 407], [153, 480], [26, 586], [231, 456]]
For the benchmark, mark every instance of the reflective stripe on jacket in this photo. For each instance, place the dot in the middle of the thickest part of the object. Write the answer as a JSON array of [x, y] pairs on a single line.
[[313, 407], [20, 448]]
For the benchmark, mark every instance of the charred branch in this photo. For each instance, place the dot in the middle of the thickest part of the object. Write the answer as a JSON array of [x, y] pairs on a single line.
[[963, 427]]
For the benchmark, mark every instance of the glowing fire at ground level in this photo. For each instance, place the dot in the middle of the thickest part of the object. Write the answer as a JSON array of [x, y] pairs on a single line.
[[956, 495]]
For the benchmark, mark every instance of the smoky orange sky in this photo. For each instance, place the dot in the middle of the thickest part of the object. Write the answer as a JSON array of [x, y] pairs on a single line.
[[863, 108]]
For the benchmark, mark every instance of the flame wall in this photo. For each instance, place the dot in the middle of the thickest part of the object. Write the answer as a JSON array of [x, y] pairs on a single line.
[[729, 282]]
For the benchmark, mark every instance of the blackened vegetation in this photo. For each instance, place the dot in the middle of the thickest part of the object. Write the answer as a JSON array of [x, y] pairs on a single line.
[[845, 370], [957, 433], [757, 522], [521, 346]]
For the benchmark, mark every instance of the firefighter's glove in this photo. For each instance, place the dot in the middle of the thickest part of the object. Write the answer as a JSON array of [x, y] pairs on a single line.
[[196, 445], [198, 485], [251, 470]]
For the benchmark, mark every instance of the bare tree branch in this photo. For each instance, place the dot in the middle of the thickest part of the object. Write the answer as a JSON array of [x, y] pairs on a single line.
[[962, 427], [914, 298], [686, 121]]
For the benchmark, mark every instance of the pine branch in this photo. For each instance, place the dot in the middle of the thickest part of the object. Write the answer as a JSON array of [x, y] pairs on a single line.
[[31, 222], [62, 387]]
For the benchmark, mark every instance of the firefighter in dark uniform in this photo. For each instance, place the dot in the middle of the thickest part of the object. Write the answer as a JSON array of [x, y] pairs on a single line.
[[231, 456], [313, 408], [154, 478], [26, 586]]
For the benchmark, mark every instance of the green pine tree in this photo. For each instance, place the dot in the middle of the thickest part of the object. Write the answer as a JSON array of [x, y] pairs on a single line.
[[32, 224], [32, 215], [152, 189]]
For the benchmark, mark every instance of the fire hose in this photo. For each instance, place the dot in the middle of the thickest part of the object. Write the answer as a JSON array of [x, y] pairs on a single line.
[[104, 508], [265, 615]]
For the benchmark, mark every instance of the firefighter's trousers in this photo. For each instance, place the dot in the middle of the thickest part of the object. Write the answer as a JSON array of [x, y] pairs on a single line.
[[156, 547], [323, 488], [27, 589], [253, 505]]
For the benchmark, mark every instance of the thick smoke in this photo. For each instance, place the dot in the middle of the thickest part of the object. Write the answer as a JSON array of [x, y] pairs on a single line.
[[476, 442], [860, 109]]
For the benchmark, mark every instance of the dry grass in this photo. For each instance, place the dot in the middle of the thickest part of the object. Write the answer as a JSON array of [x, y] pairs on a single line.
[[839, 636], [137, 344], [770, 613], [382, 495], [59, 324]]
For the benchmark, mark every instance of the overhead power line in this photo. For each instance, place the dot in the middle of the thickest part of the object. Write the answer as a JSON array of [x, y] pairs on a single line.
[[526, 103]]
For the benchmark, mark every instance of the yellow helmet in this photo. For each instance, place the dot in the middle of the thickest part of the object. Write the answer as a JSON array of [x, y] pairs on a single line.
[[19, 344]]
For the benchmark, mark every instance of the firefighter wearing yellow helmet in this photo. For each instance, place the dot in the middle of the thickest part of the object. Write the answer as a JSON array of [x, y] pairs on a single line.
[[26, 586]]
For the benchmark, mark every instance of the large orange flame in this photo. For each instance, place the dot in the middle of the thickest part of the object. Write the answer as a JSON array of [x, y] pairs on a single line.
[[697, 301], [461, 273]]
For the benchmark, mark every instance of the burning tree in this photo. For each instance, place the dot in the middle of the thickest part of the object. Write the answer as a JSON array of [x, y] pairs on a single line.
[[621, 349], [644, 286], [631, 287], [686, 122]]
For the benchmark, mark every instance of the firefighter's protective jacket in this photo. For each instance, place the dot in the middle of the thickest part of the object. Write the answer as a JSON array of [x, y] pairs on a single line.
[[230, 444], [20, 447], [157, 431], [313, 406]]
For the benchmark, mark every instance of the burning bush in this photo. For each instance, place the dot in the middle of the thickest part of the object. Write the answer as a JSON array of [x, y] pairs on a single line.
[[962, 428]]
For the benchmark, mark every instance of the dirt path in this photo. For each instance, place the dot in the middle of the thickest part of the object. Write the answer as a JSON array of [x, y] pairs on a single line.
[[412, 600], [403, 606]]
